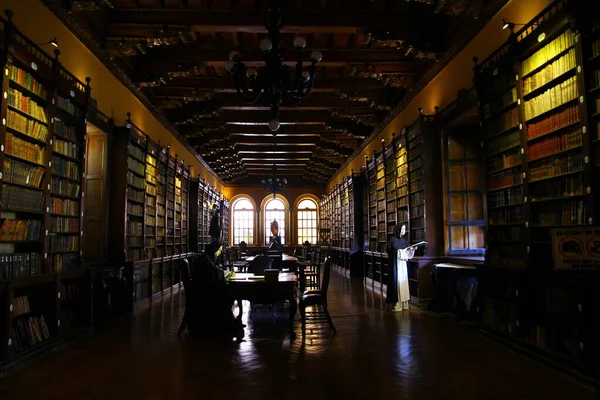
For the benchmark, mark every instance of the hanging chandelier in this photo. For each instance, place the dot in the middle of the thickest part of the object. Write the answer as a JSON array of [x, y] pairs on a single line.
[[274, 184], [274, 85]]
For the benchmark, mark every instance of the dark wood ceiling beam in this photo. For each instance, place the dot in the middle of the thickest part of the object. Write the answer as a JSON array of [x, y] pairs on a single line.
[[411, 23], [250, 117], [173, 58], [234, 102], [218, 84]]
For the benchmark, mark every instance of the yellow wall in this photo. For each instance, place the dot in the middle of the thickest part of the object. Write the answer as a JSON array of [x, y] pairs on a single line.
[[458, 74], [38, 23]]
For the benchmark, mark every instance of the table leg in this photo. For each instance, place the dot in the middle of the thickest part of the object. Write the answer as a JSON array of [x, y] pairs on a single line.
[[293, 309]]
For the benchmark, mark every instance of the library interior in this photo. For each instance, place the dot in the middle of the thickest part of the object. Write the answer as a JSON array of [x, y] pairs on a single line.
[[281, 199]]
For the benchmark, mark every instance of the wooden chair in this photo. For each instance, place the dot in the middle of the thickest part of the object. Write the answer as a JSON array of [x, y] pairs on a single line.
[[317, 299], [186, 278], [312, 271]]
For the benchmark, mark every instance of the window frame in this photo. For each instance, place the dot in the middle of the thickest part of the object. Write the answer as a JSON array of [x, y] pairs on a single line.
[[316, 219], [282, 224], [449, 192], [252, 220]]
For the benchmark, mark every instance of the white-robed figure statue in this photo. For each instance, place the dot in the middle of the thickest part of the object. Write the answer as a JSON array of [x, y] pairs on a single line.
[[399, 252]]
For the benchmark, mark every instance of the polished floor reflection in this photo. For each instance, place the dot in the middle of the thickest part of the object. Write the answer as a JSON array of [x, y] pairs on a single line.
[[375, 355]]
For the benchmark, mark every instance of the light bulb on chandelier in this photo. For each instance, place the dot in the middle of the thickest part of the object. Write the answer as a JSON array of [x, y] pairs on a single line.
[[274, 125]]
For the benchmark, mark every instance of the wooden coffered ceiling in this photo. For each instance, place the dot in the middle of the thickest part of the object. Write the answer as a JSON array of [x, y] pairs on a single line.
[[173, 53]]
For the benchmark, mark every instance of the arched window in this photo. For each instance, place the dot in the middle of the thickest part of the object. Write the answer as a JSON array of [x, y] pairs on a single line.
[[275, 210], [243, 221], [307, 221]]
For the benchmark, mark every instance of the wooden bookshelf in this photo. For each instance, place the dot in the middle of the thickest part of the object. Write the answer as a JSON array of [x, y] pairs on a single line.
[[148, 228], [402, 189], [202, 197], [341, 213], [45, 294], [541, 169]]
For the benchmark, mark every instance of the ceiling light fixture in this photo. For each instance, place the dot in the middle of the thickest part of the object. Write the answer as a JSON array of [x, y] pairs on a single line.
[[274, 184], [274, 86]]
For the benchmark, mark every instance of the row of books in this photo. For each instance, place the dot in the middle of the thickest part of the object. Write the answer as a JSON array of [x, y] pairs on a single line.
[[150, 169], [20, 305], [499, 103], [151, 190], [135, 151], [67, 105], [151, 179], [65, 168], [503, 142], [24, 149], [135, 180], [19, 265], [20, 230], [26, 105], [135, 166], [555, 144], [136, 195], [566, 186], [65, 131], [134, 241], [549, 168], [22, 173], [64, 206], [552, 98], [504, 178], [28, 332], [563, 213], [506, 197], [63, 243], [553, 122], [135, 254], [27, 80], [507, 215], [135, 209], [60, 262], [64, 187], [550, 72], [134, 228], [506, 121], [64, 224], [66, 148], [548, 52], [504, 160], [150, 219], [17, 198], [596, 48], [26, 126]]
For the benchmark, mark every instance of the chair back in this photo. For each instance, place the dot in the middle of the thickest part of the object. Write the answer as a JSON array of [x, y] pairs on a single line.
[[326, 277], [242, 246], [259, 264], [186, 278]]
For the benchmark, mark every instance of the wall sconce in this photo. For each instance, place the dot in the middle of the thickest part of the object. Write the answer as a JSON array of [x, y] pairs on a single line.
[[511, 25], [53, 41]]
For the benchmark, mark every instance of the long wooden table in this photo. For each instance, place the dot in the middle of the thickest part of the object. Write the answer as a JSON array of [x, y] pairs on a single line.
[[284, 258], [256, 289]]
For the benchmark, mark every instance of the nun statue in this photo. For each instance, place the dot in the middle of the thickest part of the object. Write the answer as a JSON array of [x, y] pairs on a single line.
[[399, 251]]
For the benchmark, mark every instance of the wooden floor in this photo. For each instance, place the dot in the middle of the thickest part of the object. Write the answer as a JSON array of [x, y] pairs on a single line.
[[375, 355]]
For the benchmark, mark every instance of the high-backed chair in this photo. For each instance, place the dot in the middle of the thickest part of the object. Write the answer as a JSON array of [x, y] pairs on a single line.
[[259, 264], [243, 250], [318, 300]]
